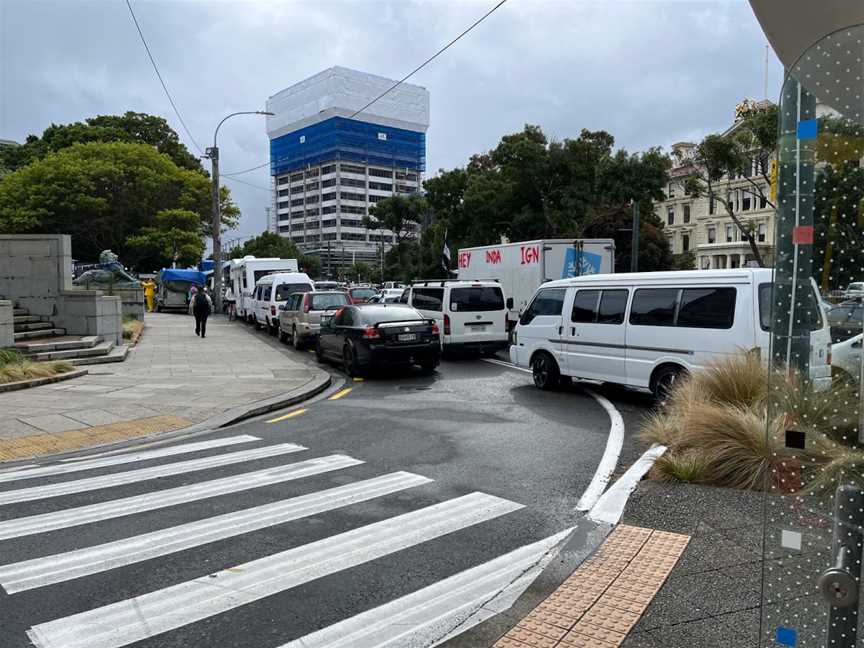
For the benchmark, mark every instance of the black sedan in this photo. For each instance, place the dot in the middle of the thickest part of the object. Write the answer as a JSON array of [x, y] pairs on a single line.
[[370, 336]]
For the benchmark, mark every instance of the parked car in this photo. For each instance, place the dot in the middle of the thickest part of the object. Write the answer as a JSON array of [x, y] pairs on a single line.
[[472, 315], [854, 290], [361, 294], [845, 320], [272, 291], [645, 330], [846, 359], [370, 336], [390, 285], [300, 316]]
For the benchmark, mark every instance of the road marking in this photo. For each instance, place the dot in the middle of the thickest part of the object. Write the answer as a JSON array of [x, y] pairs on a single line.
[[61, 469], [428, 616], [149, 615], [356, 379], [341, 393], [288, 415], [610, 507], [72, 517], [614, 443], [509, 365], [47, 570], [142, 474]]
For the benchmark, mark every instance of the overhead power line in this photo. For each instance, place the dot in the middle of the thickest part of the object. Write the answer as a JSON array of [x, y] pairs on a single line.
[[236, 173], [409, 75], [161, 80], [267, 189], [430, 59]]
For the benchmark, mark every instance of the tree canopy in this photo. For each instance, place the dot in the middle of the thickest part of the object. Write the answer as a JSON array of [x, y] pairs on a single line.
[[173, 238], [268, 244]]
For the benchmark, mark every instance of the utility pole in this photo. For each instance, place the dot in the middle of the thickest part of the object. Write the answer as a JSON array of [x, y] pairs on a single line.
[[634, 245], [269, 222]]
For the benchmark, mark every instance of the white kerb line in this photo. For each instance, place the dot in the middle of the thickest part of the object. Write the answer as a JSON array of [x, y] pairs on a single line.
[[614, 443], [610, 507], [90, 464]]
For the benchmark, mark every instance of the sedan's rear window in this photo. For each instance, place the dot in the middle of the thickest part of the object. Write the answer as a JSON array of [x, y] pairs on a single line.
[[320, 302], [363, 293], [476, 299], [286, 289], [389, 314]]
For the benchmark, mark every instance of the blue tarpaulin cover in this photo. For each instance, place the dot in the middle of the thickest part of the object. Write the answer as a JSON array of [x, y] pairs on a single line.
[[177, 274]]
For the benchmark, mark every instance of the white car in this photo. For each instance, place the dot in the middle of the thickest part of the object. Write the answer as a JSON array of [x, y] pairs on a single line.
[[472, 315], [854, 290], [273, 291], [846, 359], [644, 330]]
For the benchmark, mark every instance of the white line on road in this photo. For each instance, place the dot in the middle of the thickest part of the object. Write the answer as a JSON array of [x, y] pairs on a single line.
[[610, 507], [47, 570], [149, 615], [509, 365], [66, 518], [614, 443], [142, 474], [62, 469], [428, 616]]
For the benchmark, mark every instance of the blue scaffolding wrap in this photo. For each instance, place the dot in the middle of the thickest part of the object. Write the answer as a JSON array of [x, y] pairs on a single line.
[[339, 138]]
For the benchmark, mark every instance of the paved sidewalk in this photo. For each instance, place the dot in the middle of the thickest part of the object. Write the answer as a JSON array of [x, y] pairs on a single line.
[[171, 373]]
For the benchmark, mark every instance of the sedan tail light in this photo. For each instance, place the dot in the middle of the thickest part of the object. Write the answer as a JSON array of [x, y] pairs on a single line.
[[371, 332], [446, 324]]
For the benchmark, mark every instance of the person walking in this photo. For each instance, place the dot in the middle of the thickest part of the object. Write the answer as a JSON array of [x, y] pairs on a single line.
[[149, 294], [202, 306]]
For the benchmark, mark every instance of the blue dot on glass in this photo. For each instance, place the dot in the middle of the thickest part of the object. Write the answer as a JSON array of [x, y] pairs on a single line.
[[787, 636], [807, 129]]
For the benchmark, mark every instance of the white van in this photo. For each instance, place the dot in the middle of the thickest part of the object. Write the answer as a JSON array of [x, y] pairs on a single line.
[[244, 275], [644, 330], [471, 315], [271, 291]]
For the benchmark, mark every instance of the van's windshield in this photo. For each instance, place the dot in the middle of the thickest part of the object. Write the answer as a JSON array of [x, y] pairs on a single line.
[[476, 299], [286, 289]]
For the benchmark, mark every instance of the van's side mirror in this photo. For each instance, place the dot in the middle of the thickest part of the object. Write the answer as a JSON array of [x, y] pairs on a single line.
[[509, 303]]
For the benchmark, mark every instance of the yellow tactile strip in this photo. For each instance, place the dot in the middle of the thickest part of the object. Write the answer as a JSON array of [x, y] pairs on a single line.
[[602, 600], [42, 444]]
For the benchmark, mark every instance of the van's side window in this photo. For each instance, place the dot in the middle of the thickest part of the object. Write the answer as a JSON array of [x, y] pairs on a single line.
[[428, 298], [654, 307], [260, 290], [712, 308], [613, 303], [585, 306], [547, 302], [268, 290]]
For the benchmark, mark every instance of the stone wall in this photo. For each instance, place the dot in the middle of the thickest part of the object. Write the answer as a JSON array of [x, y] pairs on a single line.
[[133, 301], [36, 274], [7, 326]]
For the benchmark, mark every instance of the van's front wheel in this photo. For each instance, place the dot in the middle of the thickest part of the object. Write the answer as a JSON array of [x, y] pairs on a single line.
[[545, 371]]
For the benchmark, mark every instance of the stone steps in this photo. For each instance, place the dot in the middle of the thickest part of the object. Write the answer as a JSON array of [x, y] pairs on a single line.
[[117, 354], [29, 335], [100, 349], [58, 343], [25, 319], [20, 311], [33, 326]]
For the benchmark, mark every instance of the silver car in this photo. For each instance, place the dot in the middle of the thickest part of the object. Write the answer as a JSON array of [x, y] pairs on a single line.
[[300, 317]]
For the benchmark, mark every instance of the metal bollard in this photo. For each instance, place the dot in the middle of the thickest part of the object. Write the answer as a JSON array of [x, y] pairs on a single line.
[[840, 584]]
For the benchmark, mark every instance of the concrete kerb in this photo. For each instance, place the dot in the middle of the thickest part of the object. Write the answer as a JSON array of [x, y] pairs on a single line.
[[45, 380], [312, 388]]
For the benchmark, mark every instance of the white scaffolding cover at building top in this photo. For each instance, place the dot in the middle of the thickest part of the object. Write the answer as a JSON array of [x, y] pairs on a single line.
[[340, 91]]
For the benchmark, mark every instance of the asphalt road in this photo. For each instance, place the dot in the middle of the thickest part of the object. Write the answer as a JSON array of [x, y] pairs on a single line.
[[517, 457]]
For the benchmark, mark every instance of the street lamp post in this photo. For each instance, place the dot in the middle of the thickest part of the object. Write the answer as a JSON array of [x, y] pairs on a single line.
[[213, 154]]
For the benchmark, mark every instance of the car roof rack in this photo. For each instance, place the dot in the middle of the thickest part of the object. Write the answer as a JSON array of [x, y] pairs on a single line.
[[442, 282]]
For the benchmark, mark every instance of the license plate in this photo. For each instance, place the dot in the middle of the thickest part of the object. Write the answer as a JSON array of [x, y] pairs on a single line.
[[406, 337], [480, 329], [326, 318]]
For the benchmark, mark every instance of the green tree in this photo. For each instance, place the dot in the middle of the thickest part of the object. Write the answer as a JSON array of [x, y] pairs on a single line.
[[361, 271], [616, 222], [402, 215], [100, 193], [174, 238], [268, 244]]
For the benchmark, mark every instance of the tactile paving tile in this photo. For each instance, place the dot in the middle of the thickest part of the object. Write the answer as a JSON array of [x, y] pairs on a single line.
[[597, 605]]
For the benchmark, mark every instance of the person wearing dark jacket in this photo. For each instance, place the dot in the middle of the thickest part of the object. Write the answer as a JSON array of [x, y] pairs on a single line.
[[201, 309]]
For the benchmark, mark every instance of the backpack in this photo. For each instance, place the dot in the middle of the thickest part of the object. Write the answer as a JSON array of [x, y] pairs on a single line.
[[201, 302]]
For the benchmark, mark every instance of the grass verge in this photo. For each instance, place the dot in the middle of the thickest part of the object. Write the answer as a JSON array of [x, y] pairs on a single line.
[[132, 328], [15, 367]]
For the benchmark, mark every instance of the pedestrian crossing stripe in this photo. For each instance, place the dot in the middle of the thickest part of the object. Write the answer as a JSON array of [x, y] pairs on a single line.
[[116, 460], [142, 474], [428, 616], [71, 517], [152, 614], [47, 570]]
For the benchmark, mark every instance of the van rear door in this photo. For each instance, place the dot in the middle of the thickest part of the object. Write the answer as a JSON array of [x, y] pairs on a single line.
[[477, 314]]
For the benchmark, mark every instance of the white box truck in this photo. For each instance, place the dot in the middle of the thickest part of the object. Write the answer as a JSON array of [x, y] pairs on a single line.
[[522, 267]]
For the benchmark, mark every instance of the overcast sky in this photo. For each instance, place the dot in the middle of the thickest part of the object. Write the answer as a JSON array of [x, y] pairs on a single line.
[[650, 72]]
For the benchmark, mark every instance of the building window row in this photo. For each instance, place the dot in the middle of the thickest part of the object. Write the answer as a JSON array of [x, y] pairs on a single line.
[[407, 176], [381, 173], [328, 183], [296, 202], [375, 199], [353, 196], [330, 168], [328, 196], [351, 168], [312, 186], [297, 177], [350, 209], [297, 189], [381, 186], [350, 182]]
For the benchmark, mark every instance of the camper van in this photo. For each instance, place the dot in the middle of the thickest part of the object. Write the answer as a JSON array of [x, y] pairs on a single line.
[[645, 330], [244, 275]]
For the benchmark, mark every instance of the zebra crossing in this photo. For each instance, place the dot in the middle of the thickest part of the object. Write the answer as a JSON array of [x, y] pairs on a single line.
[[425, 615]]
